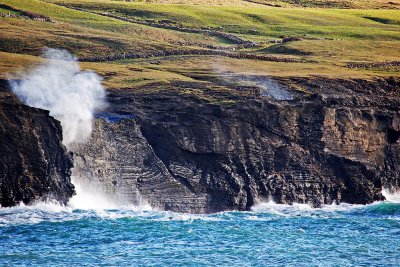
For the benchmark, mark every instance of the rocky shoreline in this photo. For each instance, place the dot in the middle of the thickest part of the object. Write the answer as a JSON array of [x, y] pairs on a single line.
[[339, 142]]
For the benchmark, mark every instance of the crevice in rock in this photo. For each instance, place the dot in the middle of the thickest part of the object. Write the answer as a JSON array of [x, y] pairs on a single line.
[[392, 136]]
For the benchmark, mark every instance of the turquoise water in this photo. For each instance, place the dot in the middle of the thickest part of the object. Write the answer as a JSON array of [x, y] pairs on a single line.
[[271, 235]]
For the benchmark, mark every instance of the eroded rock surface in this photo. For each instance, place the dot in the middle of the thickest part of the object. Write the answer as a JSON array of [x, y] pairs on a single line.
[[34, 165], [339, 143]]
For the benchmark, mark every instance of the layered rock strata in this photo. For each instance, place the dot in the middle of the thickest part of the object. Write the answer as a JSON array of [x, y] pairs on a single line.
[[337, 143]]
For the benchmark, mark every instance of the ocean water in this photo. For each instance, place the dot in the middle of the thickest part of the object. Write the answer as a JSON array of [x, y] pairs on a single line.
[[270, 235]]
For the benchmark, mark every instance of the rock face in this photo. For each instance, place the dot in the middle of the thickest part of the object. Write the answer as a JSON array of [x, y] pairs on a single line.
[[34, 165], [340, 143]]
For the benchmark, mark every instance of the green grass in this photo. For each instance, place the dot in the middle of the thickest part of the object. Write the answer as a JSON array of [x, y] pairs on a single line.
[[371, 35], [267, 21], [332, 38], [7, 11], [85, 34], [64, 14], [354, 4]]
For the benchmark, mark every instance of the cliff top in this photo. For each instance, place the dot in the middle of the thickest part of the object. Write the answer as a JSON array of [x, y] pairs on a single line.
[[214, 43]]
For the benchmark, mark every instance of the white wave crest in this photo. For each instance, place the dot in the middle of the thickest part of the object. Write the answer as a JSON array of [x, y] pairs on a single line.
[[300, 209], [174, 216]]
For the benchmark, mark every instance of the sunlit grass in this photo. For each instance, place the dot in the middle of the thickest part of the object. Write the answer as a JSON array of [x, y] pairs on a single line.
[[331, 38], [263, 21]]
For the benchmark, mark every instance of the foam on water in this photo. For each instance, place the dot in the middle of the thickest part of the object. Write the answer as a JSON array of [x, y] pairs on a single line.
[[93, 204], [32, 214], [391, 196], [301, 209], [271, 234], [89, 205], [173, 216]]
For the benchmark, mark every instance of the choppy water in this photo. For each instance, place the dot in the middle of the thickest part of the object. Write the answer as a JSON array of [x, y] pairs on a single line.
[[271, 235]]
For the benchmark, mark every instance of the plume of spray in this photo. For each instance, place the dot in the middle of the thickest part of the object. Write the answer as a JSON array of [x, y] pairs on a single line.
[[70, 94], [268, 86]]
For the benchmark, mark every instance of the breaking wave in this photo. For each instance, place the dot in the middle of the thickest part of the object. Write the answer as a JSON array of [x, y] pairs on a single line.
[[271, 234], [89, 205]]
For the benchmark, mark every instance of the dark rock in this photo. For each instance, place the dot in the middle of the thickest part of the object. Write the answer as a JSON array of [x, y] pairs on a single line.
[[34, 165], [286, 39], [338, 144]]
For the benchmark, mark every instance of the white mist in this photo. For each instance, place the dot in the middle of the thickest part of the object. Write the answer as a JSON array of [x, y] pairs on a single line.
[[391, 195], [70, 94]]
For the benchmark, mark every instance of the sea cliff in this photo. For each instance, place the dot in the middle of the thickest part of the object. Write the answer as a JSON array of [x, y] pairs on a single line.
[[339, 142], [34, 165]]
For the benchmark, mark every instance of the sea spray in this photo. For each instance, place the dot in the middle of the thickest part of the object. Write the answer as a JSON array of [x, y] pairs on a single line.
[[267, 86], [90, 195], [391, 195], [70, 94]]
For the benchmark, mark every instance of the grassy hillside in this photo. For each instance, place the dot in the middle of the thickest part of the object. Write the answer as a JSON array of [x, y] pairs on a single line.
[[141, 42], [260, 22], [82, 33]]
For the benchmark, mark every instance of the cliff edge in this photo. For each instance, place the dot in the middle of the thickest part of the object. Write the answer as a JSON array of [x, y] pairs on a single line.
[[34, 165], [337, 143]]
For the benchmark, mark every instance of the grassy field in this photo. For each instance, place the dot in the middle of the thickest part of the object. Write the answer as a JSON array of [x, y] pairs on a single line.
[[323, 38], [261, 22], [354, 4], [83, 33]]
